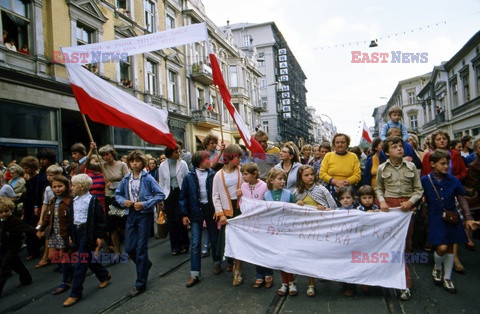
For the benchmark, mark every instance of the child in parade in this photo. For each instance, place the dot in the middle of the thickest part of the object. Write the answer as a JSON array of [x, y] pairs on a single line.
[[86, 230], [276, 180], [254, 188], [11, 230], [309, 193], [395, 114], [226, 191], [54, 226], [398, 185], [196, 206], [366, 198], [52, 171], [441, 189], [139, 192], [346, 197]]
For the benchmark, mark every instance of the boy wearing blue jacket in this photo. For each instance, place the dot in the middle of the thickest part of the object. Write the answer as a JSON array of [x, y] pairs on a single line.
[[139, 192], [196, 205]]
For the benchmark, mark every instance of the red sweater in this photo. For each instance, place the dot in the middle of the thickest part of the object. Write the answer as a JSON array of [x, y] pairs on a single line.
[[459, 170]]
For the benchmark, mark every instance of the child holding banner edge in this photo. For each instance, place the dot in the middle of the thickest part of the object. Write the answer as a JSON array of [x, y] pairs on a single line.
[[398, 185], [276, 192], [255, 189], [310, 193]]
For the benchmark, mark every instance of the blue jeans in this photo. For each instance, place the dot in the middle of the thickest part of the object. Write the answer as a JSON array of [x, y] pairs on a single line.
[[196, 244], [137, 232], [82, 266], [262, 272]]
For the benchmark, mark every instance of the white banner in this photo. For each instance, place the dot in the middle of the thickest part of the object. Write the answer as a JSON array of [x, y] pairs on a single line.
[[120, 49], [340, 245]]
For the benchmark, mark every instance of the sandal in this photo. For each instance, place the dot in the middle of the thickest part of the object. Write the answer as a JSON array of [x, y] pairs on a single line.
[[268, 281], [237, 278], [292, 289], [42, 263], [282, 290], [310, 291], [258, 283]]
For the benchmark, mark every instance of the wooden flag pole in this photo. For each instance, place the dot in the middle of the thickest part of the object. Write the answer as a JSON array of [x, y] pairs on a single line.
[[91, 140], [220, 109]]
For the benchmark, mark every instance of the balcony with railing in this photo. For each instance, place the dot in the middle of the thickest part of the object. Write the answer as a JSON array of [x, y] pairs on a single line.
[[259, 107], [239, 92], [205, 118], [202, 73]]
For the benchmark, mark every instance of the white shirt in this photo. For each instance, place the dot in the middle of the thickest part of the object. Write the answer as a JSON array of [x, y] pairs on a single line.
[[231, 181], [47, 195], [80, 208], [202, 182]]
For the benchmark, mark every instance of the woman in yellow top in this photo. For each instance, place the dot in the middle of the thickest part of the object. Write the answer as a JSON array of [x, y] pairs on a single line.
[[341, 167]]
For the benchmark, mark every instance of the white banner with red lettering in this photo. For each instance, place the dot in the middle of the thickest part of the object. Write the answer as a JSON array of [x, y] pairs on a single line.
[[340, 245]]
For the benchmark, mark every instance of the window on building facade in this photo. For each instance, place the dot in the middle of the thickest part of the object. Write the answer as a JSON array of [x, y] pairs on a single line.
[[149, 15], [170, 21], [15, 22], [263, 82], [122, 4], [151, 85], [477, 79], [475, 131], [264, 102], [466, 88], [246, 40], [233, 76], [200, 97], [85, 35], [413, 121], [261, 59], [125, 72], [454, 89], [411, 98], [265, 126], [172, 86]]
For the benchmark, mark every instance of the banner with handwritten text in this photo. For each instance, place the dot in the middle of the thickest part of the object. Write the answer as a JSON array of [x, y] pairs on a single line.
[[340, 245]]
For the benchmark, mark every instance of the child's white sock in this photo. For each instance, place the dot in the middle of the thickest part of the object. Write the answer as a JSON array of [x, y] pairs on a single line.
[[438, 260], [448, 266]]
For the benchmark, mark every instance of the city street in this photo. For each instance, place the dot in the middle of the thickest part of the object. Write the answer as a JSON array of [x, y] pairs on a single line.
[[167, 292]]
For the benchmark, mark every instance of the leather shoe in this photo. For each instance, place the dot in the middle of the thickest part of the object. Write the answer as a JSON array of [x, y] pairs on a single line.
[[192, 281], [229, 267], [217, 269], [105, 283], [71, 301], [137, 291], [60, 289]]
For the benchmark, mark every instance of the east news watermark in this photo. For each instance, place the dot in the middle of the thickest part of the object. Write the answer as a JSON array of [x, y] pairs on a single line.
[[85, 257], [389, 57], [360, 257]]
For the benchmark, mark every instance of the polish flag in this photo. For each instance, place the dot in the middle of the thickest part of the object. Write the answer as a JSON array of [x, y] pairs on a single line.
[[366, 135], [107, 104], [251, 143]]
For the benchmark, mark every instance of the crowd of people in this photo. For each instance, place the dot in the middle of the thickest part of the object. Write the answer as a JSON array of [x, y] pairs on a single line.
[[98, 202]]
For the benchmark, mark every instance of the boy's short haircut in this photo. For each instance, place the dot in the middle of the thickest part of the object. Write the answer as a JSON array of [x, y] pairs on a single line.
[[6, 203], [326, 145], [391, 140], [30, 162], [84, 180], [208, 139], [179, 142], [347, 138], [465, 139], [366, 190], [438, 154], [437, 133], [344, 190], [169, 151], [391, 130], [272, 174], [260, 133], [54, 170], [395, 109], [199, 156], [250, 167], [71, 167], [47, 153], [108, 149], [232, 151], [137, 154], [78, 148]]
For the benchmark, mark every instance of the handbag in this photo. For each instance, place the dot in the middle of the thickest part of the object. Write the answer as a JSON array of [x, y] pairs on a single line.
[[448, 216], [115, 211]]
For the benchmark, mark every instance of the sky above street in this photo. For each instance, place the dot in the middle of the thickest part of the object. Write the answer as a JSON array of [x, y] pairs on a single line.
[[348, 92]]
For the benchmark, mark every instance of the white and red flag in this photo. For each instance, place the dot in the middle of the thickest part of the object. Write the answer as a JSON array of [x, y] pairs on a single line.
[[248, 139], [366, 135]]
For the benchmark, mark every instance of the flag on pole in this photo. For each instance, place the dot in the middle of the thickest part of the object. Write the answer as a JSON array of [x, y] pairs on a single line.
[[250, 142], [366, 135], [105, 103]]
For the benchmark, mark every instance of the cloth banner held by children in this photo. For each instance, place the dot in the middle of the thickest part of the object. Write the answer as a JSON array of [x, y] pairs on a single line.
[[340, 245]]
